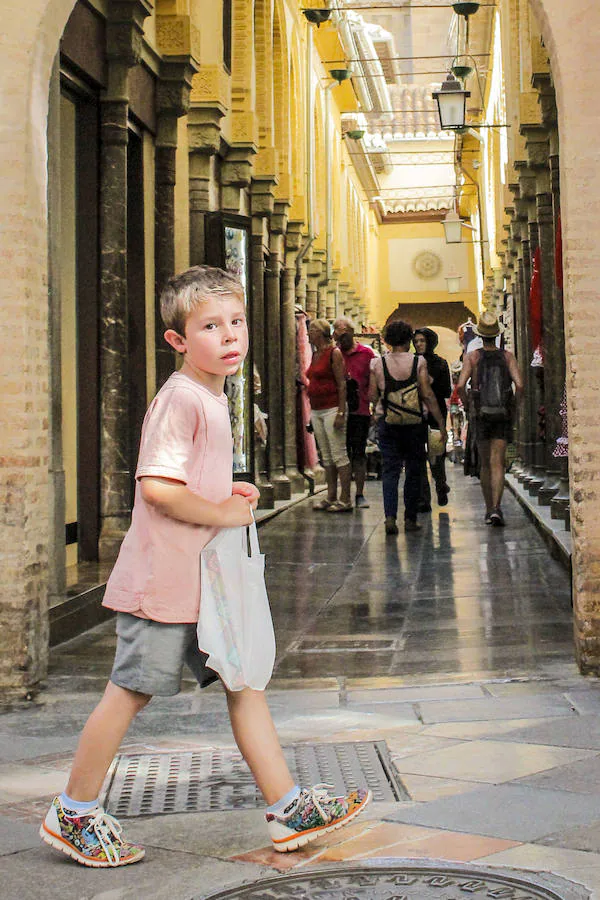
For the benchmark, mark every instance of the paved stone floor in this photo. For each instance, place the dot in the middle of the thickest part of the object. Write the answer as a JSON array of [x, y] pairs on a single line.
[[453, 645]]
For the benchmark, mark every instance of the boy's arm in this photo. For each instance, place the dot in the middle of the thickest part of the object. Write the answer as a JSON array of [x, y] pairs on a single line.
[[174, 499]]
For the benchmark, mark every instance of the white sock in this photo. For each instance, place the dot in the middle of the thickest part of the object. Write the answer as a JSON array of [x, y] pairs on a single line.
[[78, 806], [279, 807]]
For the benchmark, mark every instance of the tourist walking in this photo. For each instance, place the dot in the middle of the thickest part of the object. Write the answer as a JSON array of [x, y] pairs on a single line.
[[357, 358], [399, 386], [327, 394], [495, 385], [425, 341]]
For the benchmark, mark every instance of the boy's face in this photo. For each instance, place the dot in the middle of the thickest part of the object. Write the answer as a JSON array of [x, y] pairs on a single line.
[[215, 342]]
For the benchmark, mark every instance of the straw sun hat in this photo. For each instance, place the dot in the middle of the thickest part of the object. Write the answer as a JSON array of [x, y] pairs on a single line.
[[488, 325]]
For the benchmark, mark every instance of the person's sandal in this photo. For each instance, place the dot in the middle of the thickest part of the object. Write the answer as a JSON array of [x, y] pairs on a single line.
[[339, 506], [323, 504]]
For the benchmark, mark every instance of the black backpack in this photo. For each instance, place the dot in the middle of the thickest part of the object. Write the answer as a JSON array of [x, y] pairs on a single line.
[[401, 401], [492, 387]]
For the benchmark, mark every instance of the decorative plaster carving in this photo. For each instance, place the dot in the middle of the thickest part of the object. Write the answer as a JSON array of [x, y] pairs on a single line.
[[427, 264], [212, 84]]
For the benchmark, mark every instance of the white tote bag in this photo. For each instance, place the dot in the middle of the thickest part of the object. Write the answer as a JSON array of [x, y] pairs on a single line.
[[235, 627]]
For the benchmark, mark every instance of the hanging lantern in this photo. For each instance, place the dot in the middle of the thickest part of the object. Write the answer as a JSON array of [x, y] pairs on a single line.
[[452, 103], [452, 227], [453, 280]]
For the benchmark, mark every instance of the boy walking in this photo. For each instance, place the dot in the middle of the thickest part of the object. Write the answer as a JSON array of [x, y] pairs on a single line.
[[184, 495]]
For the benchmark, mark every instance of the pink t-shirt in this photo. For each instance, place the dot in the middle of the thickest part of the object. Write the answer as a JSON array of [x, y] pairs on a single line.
[[186, 436]]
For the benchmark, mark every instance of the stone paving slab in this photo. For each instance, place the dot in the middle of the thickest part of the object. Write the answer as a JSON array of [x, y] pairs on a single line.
[[582, 777], [494, 708], [493, 762], [506, 811], [577, 731], [418, 694]]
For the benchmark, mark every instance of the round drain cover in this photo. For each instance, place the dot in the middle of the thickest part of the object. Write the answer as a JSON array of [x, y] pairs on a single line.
[[407, 880]]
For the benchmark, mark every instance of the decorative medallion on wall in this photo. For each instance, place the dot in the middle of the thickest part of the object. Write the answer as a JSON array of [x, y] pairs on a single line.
[[427, 264]]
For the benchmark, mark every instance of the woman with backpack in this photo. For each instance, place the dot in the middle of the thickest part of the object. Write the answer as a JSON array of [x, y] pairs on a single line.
[[399, 385], [493, 373]]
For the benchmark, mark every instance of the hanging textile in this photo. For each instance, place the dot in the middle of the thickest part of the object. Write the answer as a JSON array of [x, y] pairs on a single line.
[[306, 446], [558, 255], [536, 310], [561, 450]]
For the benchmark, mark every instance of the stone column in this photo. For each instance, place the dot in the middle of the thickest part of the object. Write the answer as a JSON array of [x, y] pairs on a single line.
[[535, 389], [515, 254], [204, 136], [537, 149], [262, 205], [281, 484], [313, 277], [210, 99], [331, 301], [172, 101], [124, 43], [559, 504], [293, 243]]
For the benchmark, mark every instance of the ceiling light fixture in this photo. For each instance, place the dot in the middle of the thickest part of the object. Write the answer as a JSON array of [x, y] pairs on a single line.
[[317, 16]]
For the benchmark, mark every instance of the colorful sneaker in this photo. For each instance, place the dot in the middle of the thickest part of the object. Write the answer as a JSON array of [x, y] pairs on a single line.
[[93, 839], [313, 814]]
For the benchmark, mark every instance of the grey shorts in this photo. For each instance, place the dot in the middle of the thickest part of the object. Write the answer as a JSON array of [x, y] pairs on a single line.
[[150, 656]]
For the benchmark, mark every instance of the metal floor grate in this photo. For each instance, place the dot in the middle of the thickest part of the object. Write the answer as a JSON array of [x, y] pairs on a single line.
[[217, 779]]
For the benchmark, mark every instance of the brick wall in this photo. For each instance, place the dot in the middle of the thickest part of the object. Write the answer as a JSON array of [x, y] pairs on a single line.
[[571, 36], [28, 42]]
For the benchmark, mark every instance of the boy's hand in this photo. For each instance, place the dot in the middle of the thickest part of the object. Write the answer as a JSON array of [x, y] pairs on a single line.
[[247, 490], [236, 511]]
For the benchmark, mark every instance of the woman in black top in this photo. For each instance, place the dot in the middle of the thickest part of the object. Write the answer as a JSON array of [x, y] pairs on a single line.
[[425, 341]]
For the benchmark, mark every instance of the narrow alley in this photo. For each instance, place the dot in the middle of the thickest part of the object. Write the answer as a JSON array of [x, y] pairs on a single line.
[[448, 653]]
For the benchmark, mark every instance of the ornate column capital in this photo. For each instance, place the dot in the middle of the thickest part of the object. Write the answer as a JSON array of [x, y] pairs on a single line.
[[125, 29], [262, 195], [173, 89]]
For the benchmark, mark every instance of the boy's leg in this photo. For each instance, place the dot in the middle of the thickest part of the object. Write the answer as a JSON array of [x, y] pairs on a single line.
[[100, 740], [75, 823], [303, 815], [255, 735]]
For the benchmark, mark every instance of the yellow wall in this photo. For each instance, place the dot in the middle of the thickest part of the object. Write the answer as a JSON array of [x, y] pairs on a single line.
[[397, 282]]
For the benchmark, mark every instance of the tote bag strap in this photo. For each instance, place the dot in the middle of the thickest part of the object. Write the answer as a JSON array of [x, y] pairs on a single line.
[[252, 538]]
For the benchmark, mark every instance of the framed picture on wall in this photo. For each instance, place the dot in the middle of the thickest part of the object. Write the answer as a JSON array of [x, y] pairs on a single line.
[[228, 247]]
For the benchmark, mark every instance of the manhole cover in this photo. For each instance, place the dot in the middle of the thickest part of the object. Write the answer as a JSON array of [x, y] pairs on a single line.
[[418, 880], [149, 784]]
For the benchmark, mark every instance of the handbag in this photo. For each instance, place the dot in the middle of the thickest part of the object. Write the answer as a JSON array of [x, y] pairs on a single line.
[[435, 445], [235, 627], [401, 401]]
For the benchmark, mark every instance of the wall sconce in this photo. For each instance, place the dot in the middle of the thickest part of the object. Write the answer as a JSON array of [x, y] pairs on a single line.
[[453, 280], [452, 103], [452, 227], [355, 134], [317, 16]]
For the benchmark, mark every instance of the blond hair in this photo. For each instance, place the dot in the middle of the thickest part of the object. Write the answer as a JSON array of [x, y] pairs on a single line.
[[183, 293], [323, 326]]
